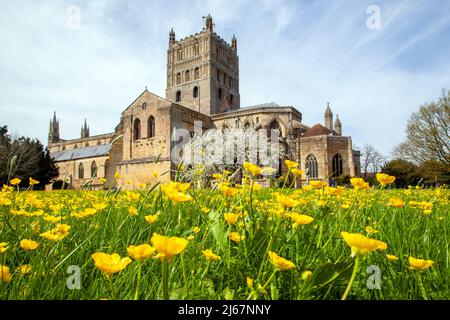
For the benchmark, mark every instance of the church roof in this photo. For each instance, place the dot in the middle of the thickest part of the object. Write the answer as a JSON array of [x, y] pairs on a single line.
[[80, 153], [261, 105], [317, 130]]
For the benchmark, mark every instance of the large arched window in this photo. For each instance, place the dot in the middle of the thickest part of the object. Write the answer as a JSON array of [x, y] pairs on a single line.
[[195, 92], [231, 99], [178, 78], [196, 73], [93, 170], [220, 93], [274, 125], [187, 76], [80, 171], [137, 129], [178, 96], [337, 165], [151, 127], [106, 168], [311, 165]]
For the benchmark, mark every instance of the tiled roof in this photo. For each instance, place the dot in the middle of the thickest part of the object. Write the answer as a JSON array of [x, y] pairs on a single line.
[[257, 106], [86, 152], [317, 130]]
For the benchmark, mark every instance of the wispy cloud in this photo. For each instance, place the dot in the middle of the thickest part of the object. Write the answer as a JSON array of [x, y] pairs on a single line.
[[296, 53]]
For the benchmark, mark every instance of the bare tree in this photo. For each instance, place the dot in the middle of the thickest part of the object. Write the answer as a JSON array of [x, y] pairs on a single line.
[[371, 159], [428, 133]]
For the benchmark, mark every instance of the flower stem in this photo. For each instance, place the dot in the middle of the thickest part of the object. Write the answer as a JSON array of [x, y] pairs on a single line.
[[352, 278], [165, 279], [136, 294], [111, 285]]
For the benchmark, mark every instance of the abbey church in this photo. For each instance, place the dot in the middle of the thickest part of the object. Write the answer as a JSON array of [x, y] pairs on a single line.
[[202, 85]]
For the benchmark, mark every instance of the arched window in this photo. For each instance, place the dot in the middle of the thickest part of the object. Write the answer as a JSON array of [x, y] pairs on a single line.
[[80, 171], [257, 119], [231, 99], [144, 106], [195, 92], [220, 93], [93, 170], [180, 54], [337, 165], [178, 78], [311, 165], [197, 73], [196, 49], [151, 127], [106, 168], [224, 79], [187, 76], [218, 75], [178, 96], [137, 129], [274, 125]]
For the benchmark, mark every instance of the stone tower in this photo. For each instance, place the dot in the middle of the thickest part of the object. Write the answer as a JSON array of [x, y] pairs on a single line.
[[53, 131], [203, 71], [338, 126], [328, 117], [84, 130]]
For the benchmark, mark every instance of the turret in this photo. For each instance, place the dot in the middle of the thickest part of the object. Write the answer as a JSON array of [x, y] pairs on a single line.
[[328, 117], [234, 43], [171, 36], [209, 23], [338, 126], [85, 130], [53, 131]]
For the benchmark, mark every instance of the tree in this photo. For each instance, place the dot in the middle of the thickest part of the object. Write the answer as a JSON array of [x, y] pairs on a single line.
[[434, 172], [428, 133], [24, 158], [371, 160], [406, 172]]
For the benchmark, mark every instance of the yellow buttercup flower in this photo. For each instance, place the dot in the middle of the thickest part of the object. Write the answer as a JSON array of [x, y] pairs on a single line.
[[253, 169], [28, 245], [209, 255], [196, 229], [228, 191], [151, 218], [110, 263], [301, 219], [385, 179], [5, 275], [249, 282], [168, 247], [15, 181], [396, 202], [132, 211], [391, 257], [286, 201], [419, 264], [231, 218], [3, 247], [140, 252], [236, 237], [24, 269], [290, 164], [32, 182], [317, 184], [176, 191], [279, 262], [362, 245], [117, 175], [60, 232], [297, 172], [359, 183], [371, 230]]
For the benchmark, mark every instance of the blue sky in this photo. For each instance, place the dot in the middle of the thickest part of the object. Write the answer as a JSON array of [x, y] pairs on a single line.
[[300, 53]]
